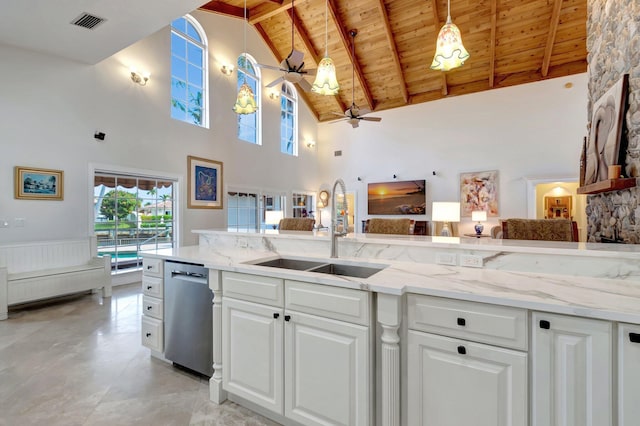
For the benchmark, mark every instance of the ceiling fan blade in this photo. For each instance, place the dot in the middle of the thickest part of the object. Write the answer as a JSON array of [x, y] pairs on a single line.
[[370, 118], [310, 72], [305, 85], [295, 58], [364, 111], [276, 82], [271, 67], [339, 114]]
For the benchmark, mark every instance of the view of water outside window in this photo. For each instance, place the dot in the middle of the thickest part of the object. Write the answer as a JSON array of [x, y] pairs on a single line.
[[132, 214]]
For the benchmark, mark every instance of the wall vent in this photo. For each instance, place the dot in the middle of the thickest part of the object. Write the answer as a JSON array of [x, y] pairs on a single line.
[[87, 21], [337, 153]]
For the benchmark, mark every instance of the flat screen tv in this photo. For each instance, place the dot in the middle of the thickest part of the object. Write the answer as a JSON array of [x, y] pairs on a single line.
[[397, 198]]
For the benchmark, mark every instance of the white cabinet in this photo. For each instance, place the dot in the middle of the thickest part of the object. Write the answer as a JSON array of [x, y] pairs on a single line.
[[453, 379], [153, 304], [288, 348], [571, 371], [455, 382], [253, 352], [628, 374]]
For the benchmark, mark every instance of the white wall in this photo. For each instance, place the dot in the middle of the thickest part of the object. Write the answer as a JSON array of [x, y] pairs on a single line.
[[50, 109], [529, 130]]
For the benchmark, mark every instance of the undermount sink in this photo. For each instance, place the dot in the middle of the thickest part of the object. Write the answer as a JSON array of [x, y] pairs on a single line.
[[357, 271], [286, 263], [346, 270]]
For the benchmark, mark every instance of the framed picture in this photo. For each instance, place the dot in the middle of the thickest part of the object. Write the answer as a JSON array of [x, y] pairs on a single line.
[[204, 184], [605, 132], [479, 191], [397, 197], [38, 184]]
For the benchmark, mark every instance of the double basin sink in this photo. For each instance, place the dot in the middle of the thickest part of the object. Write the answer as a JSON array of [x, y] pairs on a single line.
[[356, 271]]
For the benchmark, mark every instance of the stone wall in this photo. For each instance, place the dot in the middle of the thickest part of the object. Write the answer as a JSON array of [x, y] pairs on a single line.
[[613, 43]]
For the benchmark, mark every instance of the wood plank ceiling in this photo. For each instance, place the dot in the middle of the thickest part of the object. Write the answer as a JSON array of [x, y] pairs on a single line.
[[510, 42]]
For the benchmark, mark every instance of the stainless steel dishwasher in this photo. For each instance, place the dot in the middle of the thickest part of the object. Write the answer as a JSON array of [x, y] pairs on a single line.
[[188, 316]]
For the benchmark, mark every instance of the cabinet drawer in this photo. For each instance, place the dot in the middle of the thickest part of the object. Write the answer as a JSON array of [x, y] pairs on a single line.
[[152, 266], [253, 288], [152, 307], [332, 302], [152, 333], [492, 324], [152, 286]]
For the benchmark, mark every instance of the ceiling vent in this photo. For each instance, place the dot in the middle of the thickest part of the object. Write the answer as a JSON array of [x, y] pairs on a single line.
[[87, 21]]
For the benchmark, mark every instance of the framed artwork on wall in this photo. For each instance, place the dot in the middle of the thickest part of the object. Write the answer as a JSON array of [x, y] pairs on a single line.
[[605, 132], [397, 197], [479, 191], [204, 183], [38, 184]]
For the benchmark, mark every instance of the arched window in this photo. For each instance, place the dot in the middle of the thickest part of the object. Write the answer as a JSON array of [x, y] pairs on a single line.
[[189, 91], [249, 124], [288, 119]]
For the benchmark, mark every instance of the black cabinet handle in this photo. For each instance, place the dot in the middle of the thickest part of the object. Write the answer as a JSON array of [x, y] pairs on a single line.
[[287, 317], [149, 287], [276, 315], [149, 307], [634, 337], [462, 322], [545, 324], [462, 350], [149, 267], [148, 334]]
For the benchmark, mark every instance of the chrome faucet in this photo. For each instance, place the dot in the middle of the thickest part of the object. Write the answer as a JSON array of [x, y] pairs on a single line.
[[334, 217]]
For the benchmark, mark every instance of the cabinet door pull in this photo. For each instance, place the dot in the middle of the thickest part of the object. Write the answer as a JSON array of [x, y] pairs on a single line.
[[276, 315], [149, 307], [545, 324], [149, 287], [148, 334], [149, 267], [287, 317], [634, 337], [462, 322], [462, 350]]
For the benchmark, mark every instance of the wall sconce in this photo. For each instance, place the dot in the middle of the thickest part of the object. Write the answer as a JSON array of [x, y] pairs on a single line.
[[273, 94], [141, 79], [226, 69], [310, 143]]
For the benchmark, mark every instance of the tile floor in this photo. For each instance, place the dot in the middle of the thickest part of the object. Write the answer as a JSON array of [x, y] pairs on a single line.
[[79, 361]]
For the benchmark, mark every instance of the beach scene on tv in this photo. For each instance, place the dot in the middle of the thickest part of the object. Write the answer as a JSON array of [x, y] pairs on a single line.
[[397, 198]]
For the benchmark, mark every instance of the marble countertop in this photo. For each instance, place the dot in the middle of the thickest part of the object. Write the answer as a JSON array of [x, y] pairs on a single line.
[[602, 298]]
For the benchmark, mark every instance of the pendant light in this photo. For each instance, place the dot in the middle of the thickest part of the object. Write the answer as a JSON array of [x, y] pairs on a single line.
[[326, 82], [450, 53], [246, 102]]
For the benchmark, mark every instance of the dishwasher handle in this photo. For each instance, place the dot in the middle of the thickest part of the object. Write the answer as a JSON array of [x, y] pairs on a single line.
[[189, 276]]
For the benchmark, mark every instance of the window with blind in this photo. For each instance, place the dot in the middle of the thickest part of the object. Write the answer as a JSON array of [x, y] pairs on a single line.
[[132, 213]]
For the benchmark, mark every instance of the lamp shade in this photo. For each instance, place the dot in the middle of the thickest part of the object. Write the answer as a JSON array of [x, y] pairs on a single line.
[[444, 211], [326, 82], [272, 217], [479, 216], [450, 53], [246, 102]]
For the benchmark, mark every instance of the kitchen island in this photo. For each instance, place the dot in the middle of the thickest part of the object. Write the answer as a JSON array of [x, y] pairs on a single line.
[[511, 307]]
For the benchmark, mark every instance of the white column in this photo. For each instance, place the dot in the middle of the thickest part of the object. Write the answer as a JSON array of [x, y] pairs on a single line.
[[389, 319], [4, 311], [216, 393]]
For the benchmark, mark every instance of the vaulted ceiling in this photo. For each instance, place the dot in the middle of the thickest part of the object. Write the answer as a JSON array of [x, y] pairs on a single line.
[[510, 42]]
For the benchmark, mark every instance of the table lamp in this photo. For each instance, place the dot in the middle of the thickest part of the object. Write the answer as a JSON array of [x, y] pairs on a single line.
[[272, 217], [444, 211], [479, 216]]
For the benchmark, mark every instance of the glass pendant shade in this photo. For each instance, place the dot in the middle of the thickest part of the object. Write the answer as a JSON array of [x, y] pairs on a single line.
[[246, 103], [450, 53], [326, 82]]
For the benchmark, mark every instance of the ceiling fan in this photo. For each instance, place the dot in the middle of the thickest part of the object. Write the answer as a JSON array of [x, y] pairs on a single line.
[[293, 65], [354, 114]]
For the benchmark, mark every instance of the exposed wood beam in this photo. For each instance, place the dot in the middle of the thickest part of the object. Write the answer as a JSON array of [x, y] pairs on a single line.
[[394, 50], [224, 9], [267, 10], [302, 34], [344, 37], [437, 24], [551, 37], [492, 43]]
